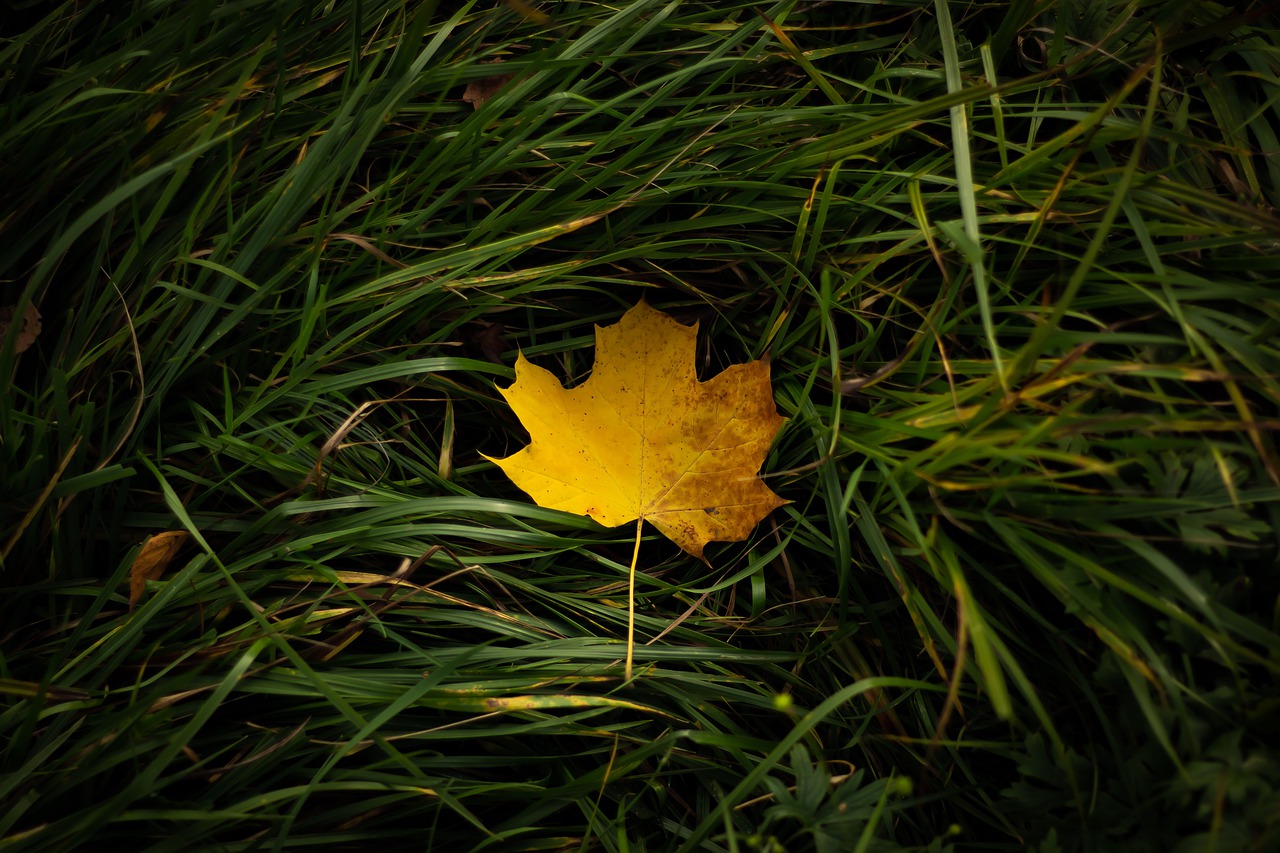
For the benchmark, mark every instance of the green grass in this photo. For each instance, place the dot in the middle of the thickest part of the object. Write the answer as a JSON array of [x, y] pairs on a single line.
[[1015, 265]]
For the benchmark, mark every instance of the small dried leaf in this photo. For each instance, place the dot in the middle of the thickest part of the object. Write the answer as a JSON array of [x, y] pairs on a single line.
[[156, 554], [479, 91], [488, 340], [27, 330]]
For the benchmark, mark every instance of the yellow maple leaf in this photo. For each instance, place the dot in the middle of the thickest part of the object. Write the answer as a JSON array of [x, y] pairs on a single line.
[[643, 439]]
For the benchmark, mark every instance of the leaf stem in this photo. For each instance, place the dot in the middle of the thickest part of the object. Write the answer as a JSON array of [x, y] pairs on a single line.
[[631, 600]]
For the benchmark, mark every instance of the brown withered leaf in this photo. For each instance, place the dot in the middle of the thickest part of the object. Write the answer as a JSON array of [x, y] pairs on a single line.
[[28, 330], [479, 91], [156, 554], [488, 340]]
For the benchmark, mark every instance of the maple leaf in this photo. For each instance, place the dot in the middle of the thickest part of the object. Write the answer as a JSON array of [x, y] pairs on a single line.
[[643, 439]]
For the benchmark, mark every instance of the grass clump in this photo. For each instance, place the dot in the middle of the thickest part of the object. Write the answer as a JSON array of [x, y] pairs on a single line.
[[1014, 266]]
